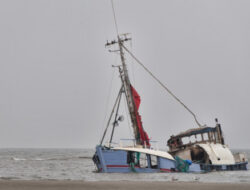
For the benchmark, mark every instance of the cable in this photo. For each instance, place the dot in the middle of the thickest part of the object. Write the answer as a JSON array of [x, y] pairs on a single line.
[[116, 26], [171, 93], [108, 100], [132, 63], [116, 101]]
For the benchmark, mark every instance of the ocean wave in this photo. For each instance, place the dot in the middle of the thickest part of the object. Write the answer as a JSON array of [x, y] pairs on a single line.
[[71, 158], [26, 159], [50, 159], [18, 159], [85, 157], [38, 159], [9, 178]]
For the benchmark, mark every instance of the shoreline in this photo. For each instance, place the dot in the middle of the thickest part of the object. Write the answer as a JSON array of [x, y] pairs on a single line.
[[118, 185]]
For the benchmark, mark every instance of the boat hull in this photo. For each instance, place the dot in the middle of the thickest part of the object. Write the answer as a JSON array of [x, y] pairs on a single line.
[[116, 161], [230, 167], [201, 168]]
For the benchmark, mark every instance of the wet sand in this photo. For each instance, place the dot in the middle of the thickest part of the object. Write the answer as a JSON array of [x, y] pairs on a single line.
[[117, 185]]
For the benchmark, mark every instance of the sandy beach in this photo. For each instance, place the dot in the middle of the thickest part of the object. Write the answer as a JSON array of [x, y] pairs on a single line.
[[117, 185]]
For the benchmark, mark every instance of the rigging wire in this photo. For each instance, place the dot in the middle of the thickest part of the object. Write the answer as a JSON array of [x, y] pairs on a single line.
[[132, 63], [110, 117], [169, 91], [116, 26], [115, 119], [108, 97]]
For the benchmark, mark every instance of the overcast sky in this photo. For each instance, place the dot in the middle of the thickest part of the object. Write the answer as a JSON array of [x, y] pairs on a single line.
[[57, 85]]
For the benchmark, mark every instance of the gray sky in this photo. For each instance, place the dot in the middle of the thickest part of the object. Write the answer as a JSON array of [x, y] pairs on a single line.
[[55, 74]]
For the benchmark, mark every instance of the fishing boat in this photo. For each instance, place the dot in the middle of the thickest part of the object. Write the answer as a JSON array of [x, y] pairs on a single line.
[[201, 155]]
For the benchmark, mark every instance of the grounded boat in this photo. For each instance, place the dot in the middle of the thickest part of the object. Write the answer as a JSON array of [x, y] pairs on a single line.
[[207, 152]]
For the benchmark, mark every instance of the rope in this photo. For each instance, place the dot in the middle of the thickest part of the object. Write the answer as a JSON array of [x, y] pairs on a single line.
[[132, 63], [108, 97], [116, 101], [116, 26], [169, 91]]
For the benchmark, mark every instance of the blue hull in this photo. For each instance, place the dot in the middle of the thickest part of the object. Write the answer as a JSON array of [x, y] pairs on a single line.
[[116, 161]]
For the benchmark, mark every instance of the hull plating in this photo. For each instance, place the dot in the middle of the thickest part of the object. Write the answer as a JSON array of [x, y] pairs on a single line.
[[119, 161]]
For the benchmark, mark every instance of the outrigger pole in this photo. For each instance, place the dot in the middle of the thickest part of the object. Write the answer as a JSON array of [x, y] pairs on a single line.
[[115, 123], [112, 112]]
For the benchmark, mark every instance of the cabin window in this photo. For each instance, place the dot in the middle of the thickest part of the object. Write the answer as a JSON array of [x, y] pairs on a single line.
[[205, 137], [185, 140], [143, 162], [153, 161], [192, 139], [198, 138]]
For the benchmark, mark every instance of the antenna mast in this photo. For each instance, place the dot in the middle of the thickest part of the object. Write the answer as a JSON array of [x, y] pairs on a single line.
[[125, 77], [126, 83]]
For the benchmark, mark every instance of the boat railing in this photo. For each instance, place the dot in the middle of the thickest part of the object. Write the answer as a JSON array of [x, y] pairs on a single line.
[[132, 143], [113, 144]]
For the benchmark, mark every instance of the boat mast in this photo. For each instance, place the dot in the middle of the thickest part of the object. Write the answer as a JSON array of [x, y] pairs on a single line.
[[128, 92], [127, 85], [125, 79]]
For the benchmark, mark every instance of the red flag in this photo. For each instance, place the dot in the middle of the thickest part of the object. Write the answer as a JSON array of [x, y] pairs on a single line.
[[143, 135]]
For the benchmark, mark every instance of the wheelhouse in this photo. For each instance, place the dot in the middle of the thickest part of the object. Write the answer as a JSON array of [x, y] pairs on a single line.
[[194, 136]]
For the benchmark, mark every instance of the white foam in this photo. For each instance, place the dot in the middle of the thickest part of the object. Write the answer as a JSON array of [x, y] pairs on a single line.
[[38, 159], [18, 159]]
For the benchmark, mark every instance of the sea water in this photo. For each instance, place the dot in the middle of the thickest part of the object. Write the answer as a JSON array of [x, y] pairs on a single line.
[[76, 164]]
